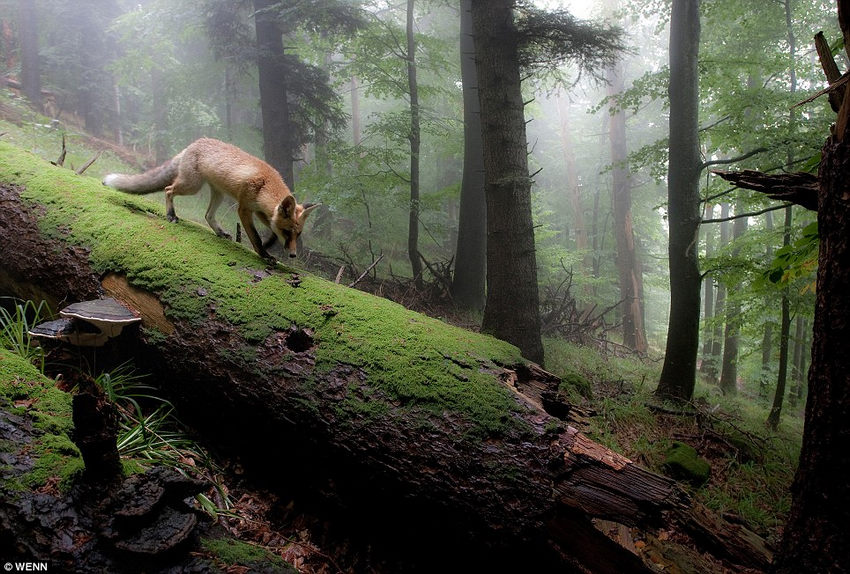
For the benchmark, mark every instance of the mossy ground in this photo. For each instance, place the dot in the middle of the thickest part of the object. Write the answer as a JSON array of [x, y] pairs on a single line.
[[416, 361], [241, 554], [26, 392]]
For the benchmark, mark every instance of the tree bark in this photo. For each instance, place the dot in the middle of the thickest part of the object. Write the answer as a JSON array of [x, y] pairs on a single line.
[[784, 336], [512, 310], [814, 538], [708, 298], [342, 394], [415, 143], [469, 281], [277, 142], [629, 269], [678, 375], [729, 370]]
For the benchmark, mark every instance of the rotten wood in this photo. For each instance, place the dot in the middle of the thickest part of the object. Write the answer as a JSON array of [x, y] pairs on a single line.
[[522, 499], [800, 188], [830, 68]]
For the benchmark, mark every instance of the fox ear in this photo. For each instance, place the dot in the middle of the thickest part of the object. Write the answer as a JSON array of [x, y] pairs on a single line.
[[286, 209]]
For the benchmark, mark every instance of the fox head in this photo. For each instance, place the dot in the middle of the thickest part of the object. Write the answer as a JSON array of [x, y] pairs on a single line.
[[288, 221]]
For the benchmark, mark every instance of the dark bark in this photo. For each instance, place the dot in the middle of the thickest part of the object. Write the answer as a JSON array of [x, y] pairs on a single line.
[[800, 188], [468, 283], [512, 309], [629, 269], [415, 143], [784, 336], [678, 375], [277, 141], [814, 539]]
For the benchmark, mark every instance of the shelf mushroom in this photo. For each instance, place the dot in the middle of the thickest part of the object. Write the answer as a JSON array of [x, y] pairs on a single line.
[[88, 323]]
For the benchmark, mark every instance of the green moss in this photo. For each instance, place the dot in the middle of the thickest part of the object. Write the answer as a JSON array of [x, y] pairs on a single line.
[[234, 552], [684, 463], [415, 361], [53, 453]]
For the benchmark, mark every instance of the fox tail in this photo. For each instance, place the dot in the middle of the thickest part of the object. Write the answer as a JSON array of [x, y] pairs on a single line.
[[148, 182]]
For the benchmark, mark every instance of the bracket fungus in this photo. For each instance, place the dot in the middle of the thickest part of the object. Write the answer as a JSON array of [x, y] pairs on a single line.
[[87, 323]]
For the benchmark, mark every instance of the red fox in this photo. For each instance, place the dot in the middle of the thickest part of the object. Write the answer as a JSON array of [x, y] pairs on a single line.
[[257, 186]]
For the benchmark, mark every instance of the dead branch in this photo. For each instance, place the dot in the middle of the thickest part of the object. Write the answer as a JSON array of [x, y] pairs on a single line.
[[87, 165], [61, 161], [362, 275]]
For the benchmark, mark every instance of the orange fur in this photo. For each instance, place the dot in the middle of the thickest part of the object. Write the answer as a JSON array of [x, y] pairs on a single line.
[[258, 188]]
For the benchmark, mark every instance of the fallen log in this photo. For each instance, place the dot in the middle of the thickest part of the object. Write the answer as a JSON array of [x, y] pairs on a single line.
[[436, 437]]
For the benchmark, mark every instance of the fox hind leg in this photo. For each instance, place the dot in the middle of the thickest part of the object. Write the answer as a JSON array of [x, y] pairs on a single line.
[[183, 185], [215, 201]]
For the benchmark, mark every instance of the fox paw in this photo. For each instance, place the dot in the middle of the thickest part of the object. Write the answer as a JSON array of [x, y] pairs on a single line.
[[224, 234], [172, 217]]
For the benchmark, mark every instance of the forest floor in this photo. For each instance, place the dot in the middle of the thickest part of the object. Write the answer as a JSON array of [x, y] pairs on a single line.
[[751, 466]]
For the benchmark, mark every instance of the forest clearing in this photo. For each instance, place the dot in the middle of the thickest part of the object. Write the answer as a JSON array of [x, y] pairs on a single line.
[[541, 316]]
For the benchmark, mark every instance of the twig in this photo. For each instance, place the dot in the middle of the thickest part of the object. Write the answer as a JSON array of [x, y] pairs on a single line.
[[61, 161], [87, 165], [362, 275], [339, 274]]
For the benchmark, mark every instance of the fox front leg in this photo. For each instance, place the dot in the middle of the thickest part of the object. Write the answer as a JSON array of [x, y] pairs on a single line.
[[246, 216]]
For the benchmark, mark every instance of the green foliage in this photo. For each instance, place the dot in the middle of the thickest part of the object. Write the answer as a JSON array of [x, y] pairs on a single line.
[[15, 326], [796, 260]]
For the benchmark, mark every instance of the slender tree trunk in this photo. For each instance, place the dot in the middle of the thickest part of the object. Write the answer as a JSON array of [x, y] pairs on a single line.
[[796, 363], [468, 283], [628, 265], [767, 339], [356, 130], [30, 60], [729, 371], [714, 364], [415, 141], [784, 335], [708, 297], [678, 375], [277, 141], [512, 310]]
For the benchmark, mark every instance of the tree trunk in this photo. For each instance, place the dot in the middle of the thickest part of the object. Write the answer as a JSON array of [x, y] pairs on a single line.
[[30, 59], [678, 375], [708, 298], [277, 142], [814, 539], [714, 365], [796, 363], [415, 140], [468, 283], [784, 335], [628, 265], [512, 310], [729, 370], [417, 430], [767, 338]]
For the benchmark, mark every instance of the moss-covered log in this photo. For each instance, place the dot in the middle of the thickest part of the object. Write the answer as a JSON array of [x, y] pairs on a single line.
[[414, 427]]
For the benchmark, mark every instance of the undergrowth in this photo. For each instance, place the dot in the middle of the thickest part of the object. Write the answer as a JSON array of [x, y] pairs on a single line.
[[149, 431], [752, 467]]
